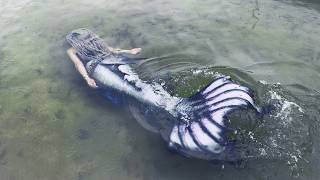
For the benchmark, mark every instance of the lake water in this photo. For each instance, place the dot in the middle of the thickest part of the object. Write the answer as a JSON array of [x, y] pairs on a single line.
[[54, 127]]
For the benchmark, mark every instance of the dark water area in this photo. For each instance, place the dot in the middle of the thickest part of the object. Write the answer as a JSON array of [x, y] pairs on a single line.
[[52, 126], [312, 4]]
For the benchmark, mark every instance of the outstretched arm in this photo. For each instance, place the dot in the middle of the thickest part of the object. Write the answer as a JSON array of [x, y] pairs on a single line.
[[118, 50], [80, 67]]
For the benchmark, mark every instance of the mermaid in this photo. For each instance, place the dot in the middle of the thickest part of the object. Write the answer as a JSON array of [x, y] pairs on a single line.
[[194, 127]]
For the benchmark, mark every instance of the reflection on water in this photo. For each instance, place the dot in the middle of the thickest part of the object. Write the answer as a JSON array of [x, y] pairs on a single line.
[[313, 4], [52, 126]]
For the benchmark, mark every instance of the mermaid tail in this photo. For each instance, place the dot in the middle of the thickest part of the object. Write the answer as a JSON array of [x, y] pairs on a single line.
[[201, 129]]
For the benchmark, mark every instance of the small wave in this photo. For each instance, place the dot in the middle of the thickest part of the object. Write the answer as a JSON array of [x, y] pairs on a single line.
[[286, 107]]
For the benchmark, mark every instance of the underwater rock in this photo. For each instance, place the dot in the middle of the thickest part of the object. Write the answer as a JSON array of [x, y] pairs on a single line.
[[83, 134], [83, 175], [20, 153], [3, 153], [60, 114], [39, 71], [28, 110]]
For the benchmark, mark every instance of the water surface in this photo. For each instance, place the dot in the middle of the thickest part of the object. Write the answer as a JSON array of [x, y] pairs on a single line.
[[52, 126]]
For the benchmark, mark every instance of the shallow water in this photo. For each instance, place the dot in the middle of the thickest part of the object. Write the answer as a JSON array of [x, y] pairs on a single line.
[[52, 126]]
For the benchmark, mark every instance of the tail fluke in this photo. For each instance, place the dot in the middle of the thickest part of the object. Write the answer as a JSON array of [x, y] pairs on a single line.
[[201, 130]]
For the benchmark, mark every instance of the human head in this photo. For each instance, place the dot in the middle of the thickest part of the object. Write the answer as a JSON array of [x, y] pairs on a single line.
[[87, 43]]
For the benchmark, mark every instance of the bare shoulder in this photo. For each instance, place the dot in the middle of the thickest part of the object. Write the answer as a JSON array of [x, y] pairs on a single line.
[[72, 54], [71, 50]]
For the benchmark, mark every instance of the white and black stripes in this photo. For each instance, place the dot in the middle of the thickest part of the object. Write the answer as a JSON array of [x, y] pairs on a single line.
[[205, 133], [195, 138]]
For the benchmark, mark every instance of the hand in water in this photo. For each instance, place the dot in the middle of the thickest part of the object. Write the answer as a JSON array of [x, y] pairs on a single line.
[[91, 83], [135, 51]]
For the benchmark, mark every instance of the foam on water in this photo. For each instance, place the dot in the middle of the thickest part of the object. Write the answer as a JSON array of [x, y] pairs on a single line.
[[286, 107]]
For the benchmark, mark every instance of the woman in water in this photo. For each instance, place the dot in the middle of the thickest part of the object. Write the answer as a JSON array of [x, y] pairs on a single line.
[[194, 126], [80, 63]]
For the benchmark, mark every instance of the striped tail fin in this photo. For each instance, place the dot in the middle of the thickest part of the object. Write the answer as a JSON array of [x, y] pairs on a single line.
[[201, 131]]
